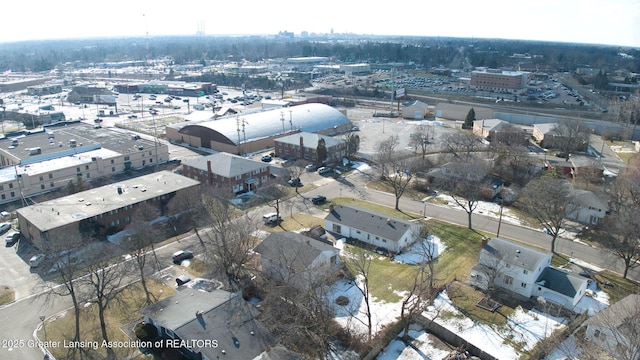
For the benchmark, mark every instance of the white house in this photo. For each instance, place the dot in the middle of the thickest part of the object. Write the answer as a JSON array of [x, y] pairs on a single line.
[[615, 329], [372, 228], [527, 272], [560, 287], [290, 257], [511, 266], [587, 207]]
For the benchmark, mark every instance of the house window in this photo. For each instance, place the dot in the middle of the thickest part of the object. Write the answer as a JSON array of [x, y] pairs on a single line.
[[507, 265], [77, 169], [41, 178], [337, 228], [51, 184], [525, 271], [13, 194], [358, 232], [3, 197], [112, 162], [523, 285], [113, 169], [50, 176], [10, 185], [384, 240], [508, 280], [42, 186], [126, 158], [86, 167], [596, 333]]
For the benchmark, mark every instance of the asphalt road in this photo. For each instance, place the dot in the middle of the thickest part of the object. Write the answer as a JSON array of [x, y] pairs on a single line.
[[355, 186], [23, 315]]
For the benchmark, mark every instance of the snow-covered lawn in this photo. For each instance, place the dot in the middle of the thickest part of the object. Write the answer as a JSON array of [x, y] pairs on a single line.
[[523, 327], [421, 347], [484, 208], [421, 251]]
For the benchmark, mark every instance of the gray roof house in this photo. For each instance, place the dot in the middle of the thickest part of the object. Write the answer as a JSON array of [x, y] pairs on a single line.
[[292, 258], [587, 207], [527, 272], [370, 227], [615, 329], [216, 324]]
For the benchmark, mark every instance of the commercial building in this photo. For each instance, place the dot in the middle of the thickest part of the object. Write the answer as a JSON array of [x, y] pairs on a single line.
[[492, 79], [41, 162], [226, 170], [100, 211], [249, 133]]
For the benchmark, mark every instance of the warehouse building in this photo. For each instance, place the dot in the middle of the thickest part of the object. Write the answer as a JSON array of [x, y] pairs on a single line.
[[249, 133]]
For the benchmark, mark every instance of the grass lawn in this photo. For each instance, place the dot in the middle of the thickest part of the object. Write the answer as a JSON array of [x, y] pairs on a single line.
[[465, 298], [462, 253], [296, 222], [386, 277], [118, 314], [386, 187]]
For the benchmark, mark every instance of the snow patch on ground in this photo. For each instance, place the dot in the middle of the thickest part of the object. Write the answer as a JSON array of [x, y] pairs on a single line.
[[422, 251]]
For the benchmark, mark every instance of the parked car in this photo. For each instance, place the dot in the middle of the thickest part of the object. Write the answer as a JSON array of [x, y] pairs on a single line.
[[266, 158], [132, 116], [182, 279], [271, 218], [36, 260], [12, 237], [311, 167], [324, 170], [318, 199], [181, 255], [295, 182], [4, 227]]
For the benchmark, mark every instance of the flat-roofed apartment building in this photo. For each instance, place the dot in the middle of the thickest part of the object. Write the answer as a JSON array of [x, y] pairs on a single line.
[[100, 211], [41, 162], [493, 79]]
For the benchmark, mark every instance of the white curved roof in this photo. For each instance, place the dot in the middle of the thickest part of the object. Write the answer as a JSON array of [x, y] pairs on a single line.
[[308, 117]]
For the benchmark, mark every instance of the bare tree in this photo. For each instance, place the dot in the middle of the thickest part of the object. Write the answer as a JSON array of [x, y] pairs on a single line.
[[386, 151], [422, 289], [465, 179], [571, 135], [359, 263], [548, 200], [64, 253], [420, 139], [106, 282], [513, 163], [395, 170], [619, 231], [231, 237], [461, 145], [297, 306]]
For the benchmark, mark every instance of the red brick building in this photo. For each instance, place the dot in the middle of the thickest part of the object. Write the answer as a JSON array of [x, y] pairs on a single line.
[[227, 170], [304, 145]]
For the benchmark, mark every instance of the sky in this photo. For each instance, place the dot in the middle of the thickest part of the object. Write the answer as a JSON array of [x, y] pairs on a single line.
[[610, 22]]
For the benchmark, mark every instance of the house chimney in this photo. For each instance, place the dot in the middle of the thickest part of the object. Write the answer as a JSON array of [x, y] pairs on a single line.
[[330, 208], [301, 147], [485, 240]]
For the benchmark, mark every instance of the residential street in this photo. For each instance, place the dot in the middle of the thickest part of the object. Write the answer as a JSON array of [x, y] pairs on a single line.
[[23, 314], [354, 186]]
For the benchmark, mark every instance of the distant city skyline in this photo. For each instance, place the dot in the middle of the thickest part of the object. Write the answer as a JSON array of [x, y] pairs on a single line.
[[614, 22]]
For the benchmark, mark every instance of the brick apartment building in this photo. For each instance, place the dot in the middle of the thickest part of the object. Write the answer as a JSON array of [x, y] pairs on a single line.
[[492, 79], [304, 145], [227, 170]]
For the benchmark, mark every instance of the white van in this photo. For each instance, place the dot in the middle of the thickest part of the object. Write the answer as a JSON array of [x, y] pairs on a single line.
[[324, 170], [271, 218]]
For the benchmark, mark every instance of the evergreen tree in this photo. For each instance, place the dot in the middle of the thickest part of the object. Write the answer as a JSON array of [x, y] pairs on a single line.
[[321, 151], [468, 121]]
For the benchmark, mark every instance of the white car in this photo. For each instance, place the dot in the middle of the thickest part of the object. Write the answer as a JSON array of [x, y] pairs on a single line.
[[36, 260], [12, 237], [4, 227]]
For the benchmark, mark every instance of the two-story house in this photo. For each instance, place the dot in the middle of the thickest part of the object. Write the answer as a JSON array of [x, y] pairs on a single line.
[[372, 228], [227, 170], [525, 271]]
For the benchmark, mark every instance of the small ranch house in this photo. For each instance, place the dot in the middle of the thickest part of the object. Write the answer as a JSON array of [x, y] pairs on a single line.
[[372, 228]]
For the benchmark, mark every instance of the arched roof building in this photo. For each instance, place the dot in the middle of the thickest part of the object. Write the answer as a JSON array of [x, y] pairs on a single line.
[[241, 134]]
